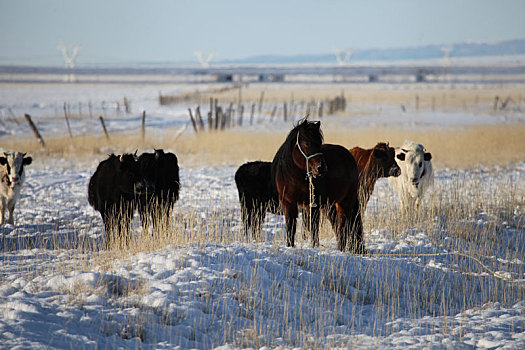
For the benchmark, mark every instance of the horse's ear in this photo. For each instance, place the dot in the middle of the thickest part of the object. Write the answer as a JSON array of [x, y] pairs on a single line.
[[317, 124], [401, 156], [427, 156]]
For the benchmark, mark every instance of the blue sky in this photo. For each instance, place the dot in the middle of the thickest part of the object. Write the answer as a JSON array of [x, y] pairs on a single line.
[[123, 32]]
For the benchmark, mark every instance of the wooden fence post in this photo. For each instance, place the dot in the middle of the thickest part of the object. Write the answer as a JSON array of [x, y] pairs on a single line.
[[228, 117], [251, 115], [127, 106], [210, 115], [239, 103], [199, 117], [218, 111], [222, 116], [285, 112], [13, 116], [496, 100], [241, 113], [193, 121], [320, 110], [67, 121], [35, 130], [104, 127], [505, 103], [261, 102], [273, 113]]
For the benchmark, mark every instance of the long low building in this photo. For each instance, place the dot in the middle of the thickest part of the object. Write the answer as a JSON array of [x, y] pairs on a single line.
[[245, 73]]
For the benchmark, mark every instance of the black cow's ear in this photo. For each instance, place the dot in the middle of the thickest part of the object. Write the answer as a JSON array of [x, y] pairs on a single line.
[[427, 156], [3, 160], [401, 156], [27, 160]]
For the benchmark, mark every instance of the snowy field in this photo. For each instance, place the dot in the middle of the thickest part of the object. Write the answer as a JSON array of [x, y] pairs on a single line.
[[217, 289]]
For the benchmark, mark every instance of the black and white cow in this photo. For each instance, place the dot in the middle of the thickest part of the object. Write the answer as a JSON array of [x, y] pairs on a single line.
[[416, 174], [161, 169], [12, 176], [114, 190]]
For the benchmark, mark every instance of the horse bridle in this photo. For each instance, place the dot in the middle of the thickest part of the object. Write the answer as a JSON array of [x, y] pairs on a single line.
[[308, 172]]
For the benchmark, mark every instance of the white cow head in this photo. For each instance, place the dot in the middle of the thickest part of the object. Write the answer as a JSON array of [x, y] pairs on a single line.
[[13, 164], [412, 158]]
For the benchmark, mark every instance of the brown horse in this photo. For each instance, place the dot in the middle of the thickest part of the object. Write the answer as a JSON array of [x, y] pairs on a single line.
[[299, 158], [335, 179], [338, 192]]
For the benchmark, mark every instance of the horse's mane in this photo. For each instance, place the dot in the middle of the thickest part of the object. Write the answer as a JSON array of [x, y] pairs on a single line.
[[282, 161]]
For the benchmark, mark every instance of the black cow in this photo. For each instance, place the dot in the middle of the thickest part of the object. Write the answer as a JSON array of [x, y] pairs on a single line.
[[257, 195], [114, 190], [162, 170]]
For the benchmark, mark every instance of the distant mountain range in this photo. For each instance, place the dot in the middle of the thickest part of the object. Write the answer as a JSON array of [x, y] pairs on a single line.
[[429, 52]]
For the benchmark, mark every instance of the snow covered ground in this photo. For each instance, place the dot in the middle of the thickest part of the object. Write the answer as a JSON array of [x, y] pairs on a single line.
[[58, 290]]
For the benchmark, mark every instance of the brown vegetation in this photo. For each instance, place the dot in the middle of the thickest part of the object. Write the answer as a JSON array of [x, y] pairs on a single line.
[[461, 148]]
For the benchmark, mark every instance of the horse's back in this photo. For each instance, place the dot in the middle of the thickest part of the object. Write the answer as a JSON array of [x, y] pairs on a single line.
[[342, 176], [340, 162]]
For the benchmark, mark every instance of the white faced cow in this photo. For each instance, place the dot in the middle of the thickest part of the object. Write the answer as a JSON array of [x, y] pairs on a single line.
[[416, 174], [12, 177]]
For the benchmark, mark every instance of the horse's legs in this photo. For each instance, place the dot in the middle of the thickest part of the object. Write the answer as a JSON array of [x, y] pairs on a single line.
[[335, 218], [313, 224], [290, 215], [306, 222], [356, 230], [343, 227]]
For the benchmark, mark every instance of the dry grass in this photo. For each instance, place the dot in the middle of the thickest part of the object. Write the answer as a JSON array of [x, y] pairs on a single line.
[[439, 95], [464, 148], [454, 206]]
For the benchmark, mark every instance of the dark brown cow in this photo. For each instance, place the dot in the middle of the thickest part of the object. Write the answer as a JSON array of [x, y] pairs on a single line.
[[374, 163]]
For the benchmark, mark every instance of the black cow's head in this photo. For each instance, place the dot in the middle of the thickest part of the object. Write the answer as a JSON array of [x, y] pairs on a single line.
[[131, 180]]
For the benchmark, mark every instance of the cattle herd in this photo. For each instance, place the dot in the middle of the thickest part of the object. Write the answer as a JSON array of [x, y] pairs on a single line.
[[149, 183]]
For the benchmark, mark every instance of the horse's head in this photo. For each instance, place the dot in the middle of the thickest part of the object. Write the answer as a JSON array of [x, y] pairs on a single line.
[[307, 151]]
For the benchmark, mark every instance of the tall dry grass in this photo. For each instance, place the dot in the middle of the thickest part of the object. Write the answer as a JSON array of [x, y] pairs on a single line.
[[394, 287], [468, 147]]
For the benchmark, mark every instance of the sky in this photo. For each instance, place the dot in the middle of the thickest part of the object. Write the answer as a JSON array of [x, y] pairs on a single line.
[[158, 31]]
